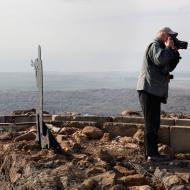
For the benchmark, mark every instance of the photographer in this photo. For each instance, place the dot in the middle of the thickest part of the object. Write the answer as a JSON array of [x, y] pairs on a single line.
[[161, 57]]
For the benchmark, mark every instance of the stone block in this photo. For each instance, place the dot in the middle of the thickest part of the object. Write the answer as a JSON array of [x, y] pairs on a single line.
[[182, 122], [179, 138], [139, 120], [97, 119], [61, 118], [164, 134], [120, 129], [2, 119], [167, 122]]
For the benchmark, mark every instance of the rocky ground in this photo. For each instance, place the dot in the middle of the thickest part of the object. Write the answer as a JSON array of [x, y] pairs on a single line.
[[91, 160]]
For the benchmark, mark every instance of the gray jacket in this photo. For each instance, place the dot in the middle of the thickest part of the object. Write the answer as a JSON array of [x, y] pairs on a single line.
[[158, 62]]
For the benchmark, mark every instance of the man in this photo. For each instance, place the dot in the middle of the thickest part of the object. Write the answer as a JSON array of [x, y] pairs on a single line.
[[161, 57]]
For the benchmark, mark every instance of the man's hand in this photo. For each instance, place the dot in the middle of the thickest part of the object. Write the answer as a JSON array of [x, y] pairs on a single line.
[[170, 43]]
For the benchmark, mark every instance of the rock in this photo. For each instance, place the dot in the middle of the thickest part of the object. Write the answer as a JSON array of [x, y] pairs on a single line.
[[120, 129], [32, 147], [179, 187], [92, 132], [160, 173], [53, 128], [88, 184], [27, 137], [118, 187], [124, 140], [171, 180], [105, 156], [183, 156], [64, 181], [130, 112], [106, 179], [94, 171], [131, 146], [79, 137], [133, 180], [124, 171], [139, 135], [143, 187], [5, 136], [167, 150], [185, 177], [106, 137], [65, 145], [68, 130]]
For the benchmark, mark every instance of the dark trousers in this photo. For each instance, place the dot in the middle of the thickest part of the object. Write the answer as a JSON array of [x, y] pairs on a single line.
[[151, 106]]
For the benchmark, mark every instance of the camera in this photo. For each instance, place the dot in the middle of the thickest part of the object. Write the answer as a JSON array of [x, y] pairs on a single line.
[[171, 76], [178, 43]]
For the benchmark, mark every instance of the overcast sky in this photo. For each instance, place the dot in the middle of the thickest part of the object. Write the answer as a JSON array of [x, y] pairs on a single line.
[[87, 35]]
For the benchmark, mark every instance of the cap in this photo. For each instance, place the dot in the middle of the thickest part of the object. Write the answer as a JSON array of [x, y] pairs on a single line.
[[169, 31]]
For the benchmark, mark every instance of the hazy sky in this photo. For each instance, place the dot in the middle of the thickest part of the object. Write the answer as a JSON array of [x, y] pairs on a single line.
[[87, 35]]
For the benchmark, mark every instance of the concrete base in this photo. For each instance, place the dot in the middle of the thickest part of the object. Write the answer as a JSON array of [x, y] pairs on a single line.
[[180, 138]]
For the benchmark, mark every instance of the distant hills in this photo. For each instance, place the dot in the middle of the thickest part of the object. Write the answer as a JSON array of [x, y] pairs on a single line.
[[92, 93]]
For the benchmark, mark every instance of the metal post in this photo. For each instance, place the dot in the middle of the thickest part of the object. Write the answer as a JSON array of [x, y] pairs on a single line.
[[41, 137]]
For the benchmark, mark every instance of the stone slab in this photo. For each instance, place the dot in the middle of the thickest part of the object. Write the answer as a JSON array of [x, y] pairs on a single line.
[[180, 138], [17, 127], [164, 134], [139, 120], [120, 129], [182, 122]]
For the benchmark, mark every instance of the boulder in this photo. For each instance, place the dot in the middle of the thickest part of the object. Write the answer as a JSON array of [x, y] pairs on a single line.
[[143, 187], [92, 132], [27, 137], [133, 180], [124, 171], [118, 187], [105, 156], [120, 129], [171, 180]]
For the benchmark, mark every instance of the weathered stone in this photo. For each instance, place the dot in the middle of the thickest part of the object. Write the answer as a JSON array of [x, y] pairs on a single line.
[[164, 134], [6, 136], [167, 121], [183, 156], [89, 184], [118, 187], [165, 149], [179, 187], [53, 128], [105, 156], [133, 180], [178, 138], [139, 135], [32, 147], [124, 171], [106, 137], [27, 137], [182, 122], [131, 146], [134, 120], [106, 179], [68, 130], [171, 180], [143, 187], [185, 177], [120, 129], [78, 124], [92, 132], [79, 137], [64, 181], [130, 112], [94, 171], [160, 173]]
